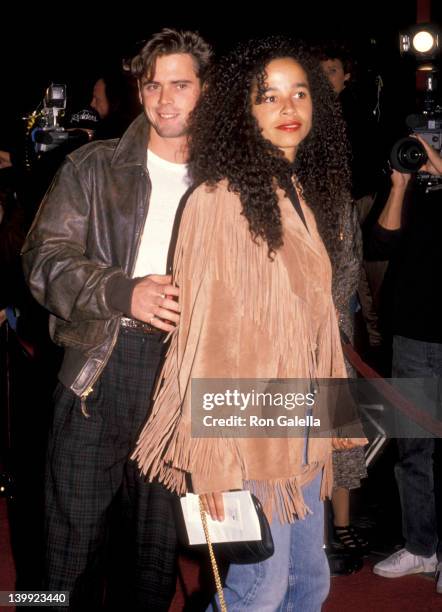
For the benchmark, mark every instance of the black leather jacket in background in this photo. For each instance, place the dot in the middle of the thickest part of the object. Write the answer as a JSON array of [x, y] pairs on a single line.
[[81, 249]]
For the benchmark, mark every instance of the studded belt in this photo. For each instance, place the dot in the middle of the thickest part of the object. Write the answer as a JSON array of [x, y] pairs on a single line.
[[145, 328]]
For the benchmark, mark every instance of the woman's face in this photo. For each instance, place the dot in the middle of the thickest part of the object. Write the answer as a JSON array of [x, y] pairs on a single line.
[[285, 111]]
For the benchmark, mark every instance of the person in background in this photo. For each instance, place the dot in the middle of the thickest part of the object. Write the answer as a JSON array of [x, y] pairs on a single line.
[[349, 465], [115, 99], [408, 232], [100, 101]]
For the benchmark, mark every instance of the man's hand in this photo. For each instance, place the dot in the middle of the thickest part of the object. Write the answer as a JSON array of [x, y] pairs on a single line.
[[3, 316], [434, 163], [153, 302], [213, 504]]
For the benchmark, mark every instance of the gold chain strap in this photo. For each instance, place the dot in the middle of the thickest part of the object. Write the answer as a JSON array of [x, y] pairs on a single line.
[[219, 586]]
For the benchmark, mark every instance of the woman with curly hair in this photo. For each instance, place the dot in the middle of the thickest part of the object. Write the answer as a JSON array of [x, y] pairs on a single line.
[[257, 243]]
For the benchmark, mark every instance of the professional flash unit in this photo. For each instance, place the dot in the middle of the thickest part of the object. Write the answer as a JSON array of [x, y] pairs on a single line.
[[408, 155], [423, 42]]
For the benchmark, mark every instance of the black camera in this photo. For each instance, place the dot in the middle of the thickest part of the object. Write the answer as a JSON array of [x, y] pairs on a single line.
[[408, 155], [48, 127], [45, 124]]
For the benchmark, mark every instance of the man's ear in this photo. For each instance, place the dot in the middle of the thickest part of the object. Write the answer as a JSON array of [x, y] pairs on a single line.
[[347, 77], [140, 98]]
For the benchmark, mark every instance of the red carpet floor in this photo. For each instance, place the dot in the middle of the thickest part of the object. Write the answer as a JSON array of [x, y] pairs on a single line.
[[7, 570], [361, 592], [365, 592]]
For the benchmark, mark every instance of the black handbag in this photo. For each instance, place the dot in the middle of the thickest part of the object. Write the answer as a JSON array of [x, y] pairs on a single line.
[[249, 552], [231, 552], [236, 552]]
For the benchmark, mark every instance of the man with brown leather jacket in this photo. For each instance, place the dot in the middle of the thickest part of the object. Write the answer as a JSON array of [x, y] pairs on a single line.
[[96, 258]]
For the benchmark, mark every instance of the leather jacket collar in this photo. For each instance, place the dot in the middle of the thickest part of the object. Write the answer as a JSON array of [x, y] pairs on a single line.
[[132, 147]]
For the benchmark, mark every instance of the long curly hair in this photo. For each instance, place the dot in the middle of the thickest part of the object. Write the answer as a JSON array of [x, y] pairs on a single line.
[[226, 143]]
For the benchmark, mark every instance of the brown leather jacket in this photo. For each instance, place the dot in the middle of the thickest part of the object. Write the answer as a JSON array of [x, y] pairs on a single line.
[[81, 249]]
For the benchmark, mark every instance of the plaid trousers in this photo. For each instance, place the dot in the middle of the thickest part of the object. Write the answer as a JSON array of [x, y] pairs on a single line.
[[110, 536]]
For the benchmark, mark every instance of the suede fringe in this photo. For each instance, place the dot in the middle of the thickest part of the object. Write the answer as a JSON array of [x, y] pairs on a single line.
[[165, 449]]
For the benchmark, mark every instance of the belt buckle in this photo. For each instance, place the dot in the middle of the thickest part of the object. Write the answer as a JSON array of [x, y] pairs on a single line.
[[146, 328]]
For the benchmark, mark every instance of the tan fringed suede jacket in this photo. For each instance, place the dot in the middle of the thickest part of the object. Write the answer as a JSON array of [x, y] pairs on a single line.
[[243, 316]]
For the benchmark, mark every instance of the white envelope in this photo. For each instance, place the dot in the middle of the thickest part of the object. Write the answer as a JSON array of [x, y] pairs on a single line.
[[240, 524]]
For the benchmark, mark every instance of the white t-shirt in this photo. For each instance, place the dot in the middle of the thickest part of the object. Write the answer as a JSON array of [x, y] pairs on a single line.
[[169, 183]]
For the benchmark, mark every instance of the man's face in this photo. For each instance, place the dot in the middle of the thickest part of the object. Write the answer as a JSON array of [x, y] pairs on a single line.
[[99, 101], [334, 71], [169, 96]]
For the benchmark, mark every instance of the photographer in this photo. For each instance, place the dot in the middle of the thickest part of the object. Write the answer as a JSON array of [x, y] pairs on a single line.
[[408, 233]]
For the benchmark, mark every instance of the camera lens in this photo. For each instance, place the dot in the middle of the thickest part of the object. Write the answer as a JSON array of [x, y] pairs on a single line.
[[408, 155]]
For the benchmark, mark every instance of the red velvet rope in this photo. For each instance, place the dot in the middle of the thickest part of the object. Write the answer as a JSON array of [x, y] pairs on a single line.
[[390, 393]]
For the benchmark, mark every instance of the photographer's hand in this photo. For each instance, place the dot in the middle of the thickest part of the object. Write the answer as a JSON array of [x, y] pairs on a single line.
[[399, 181], [390, 217], [434, 163]]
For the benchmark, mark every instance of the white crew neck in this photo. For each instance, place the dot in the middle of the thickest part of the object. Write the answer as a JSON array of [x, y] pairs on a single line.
[[159, 161]]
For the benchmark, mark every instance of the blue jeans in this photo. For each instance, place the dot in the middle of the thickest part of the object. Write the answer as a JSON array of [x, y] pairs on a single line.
[[296, 577], [414, 470]]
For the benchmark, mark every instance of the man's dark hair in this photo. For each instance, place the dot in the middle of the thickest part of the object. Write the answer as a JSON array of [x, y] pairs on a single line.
[[168, 42], [226, 142], [340, 51]]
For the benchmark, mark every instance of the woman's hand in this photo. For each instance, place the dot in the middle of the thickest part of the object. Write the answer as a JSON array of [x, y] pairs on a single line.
[[340, 444], [213, 504], [434, 163]]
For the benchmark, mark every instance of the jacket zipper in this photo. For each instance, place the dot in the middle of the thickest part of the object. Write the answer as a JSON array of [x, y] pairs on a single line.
[[146, 210], [83, 401], [89, 390]]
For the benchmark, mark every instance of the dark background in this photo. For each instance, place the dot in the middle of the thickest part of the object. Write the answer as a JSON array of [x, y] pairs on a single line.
[[71, 43]]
